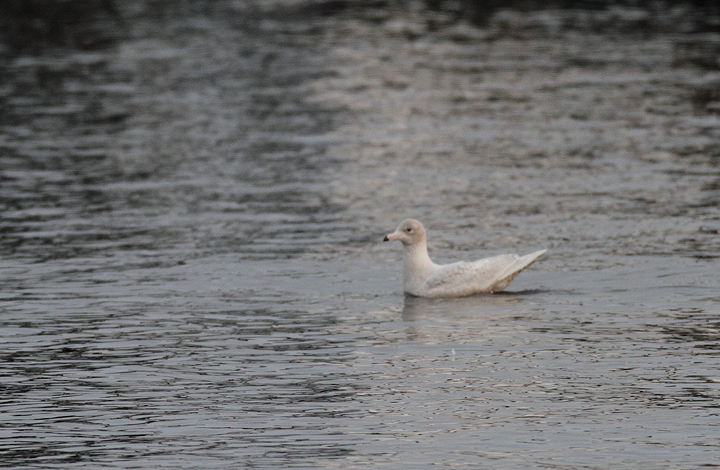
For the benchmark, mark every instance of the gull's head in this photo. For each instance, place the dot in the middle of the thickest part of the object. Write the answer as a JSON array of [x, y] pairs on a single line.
[[409, 232]]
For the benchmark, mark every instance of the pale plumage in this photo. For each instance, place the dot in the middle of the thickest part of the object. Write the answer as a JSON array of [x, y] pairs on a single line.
[[423, 278]]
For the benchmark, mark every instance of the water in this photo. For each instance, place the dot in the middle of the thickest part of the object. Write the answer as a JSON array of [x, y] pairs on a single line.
[[192, 272]]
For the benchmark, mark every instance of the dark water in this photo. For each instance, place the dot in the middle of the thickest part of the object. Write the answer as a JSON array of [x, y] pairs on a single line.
[[193, 198]]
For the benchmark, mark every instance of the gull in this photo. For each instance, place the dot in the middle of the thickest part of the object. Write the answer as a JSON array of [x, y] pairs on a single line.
[[423, 278]]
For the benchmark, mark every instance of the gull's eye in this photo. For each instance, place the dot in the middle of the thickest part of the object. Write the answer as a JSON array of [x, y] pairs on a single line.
[[408, 230]]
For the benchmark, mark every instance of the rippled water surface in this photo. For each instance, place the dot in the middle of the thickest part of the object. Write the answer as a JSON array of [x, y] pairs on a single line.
[[193, 205]]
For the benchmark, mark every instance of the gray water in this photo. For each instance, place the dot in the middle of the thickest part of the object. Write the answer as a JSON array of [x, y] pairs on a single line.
[[192, 215]]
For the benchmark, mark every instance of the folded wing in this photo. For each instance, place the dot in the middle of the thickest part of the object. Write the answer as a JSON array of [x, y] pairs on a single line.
[[485, 275]]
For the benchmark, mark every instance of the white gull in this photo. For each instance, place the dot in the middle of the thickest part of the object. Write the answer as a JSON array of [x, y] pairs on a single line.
[[423, 278]]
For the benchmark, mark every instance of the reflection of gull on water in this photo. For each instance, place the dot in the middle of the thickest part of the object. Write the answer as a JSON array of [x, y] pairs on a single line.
[[462, 309], [423, 278]]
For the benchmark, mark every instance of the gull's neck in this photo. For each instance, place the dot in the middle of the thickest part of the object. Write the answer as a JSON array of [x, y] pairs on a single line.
[[417, 266]]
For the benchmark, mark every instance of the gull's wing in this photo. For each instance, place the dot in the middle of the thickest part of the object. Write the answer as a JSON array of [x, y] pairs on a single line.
[[485, 275]]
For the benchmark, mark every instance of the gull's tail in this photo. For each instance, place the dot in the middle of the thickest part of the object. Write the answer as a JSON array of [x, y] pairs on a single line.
[[513, 269]]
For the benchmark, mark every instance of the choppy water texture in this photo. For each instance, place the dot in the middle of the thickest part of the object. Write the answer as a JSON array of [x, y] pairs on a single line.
[[192, 209]]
